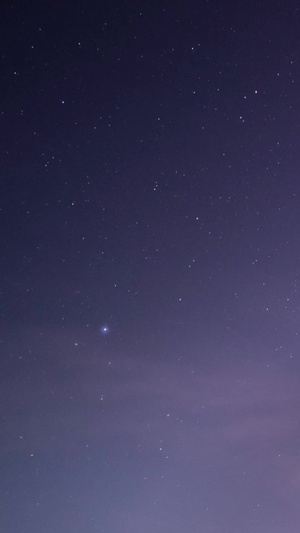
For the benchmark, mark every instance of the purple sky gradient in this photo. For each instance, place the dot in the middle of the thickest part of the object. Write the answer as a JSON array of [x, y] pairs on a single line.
[[150, 267], [180, 445]]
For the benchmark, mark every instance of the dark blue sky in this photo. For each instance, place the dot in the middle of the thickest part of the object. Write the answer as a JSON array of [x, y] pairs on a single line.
[[150, 267]]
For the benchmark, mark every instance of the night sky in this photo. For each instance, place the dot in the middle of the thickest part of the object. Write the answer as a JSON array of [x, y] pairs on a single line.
[[150, 266]]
